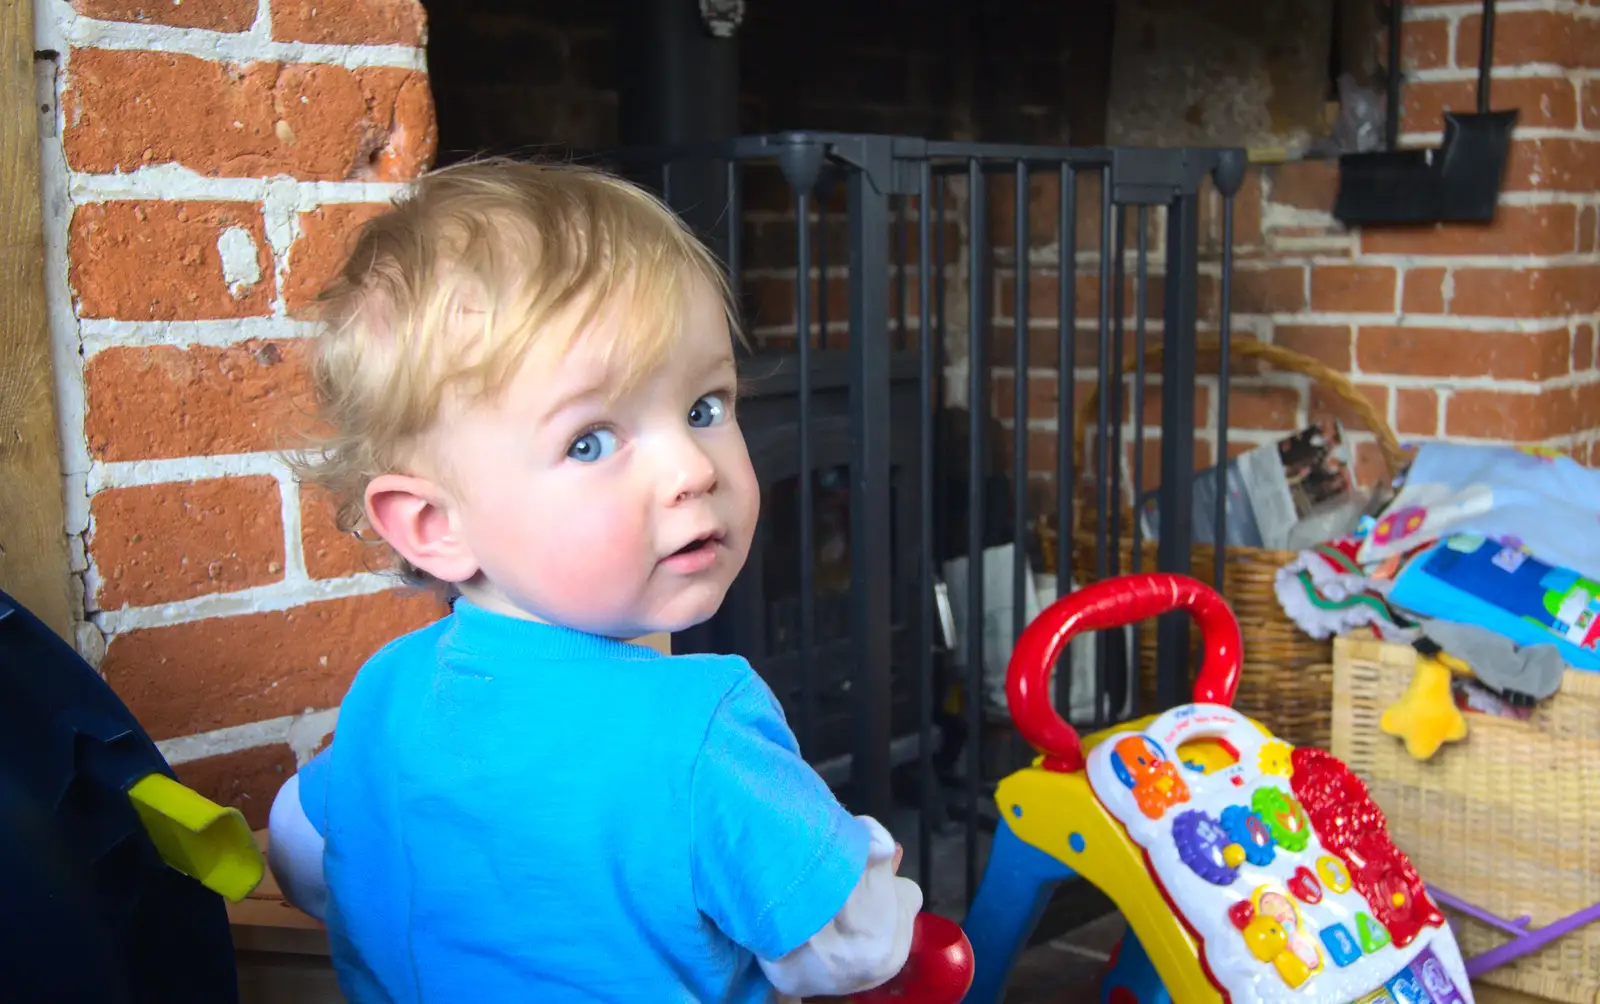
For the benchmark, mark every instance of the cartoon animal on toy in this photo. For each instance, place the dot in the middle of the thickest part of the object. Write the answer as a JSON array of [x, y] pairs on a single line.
[[1141, 764], [1249, 871]]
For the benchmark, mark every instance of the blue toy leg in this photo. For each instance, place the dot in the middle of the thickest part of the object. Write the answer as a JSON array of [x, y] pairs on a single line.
[[1016, 888], [1133, 979]]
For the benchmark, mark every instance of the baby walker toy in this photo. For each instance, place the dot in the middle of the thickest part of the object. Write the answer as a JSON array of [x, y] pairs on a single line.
[[1248, 870]]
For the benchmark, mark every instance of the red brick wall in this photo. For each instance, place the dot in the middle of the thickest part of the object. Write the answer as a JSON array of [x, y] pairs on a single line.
[[1460, 331], [203, 165]]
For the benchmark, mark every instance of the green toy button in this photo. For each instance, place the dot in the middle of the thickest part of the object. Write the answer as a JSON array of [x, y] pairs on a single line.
[[1283, 816], [1373, 935]]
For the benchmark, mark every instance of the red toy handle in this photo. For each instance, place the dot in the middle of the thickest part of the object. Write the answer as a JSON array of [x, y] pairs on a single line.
[[1114, 603], [939, 969]]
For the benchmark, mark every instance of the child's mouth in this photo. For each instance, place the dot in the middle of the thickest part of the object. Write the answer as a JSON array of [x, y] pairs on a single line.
[[696, 556], [694, 545]]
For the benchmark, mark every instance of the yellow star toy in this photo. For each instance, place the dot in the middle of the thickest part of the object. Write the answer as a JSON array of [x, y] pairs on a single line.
[[1426, 716]]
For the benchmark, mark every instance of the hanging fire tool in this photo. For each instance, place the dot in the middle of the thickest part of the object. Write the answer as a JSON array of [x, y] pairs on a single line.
[[1457, 183]]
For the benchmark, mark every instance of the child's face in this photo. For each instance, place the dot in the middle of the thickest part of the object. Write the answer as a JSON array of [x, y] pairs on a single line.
[[617, 518]]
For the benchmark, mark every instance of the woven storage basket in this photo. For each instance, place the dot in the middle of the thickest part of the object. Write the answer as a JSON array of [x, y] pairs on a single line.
[[1286, 682], [1508, 819]]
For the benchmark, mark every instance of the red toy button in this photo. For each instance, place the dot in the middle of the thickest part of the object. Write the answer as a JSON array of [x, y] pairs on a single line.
[[1241, 913], [1305, 887]]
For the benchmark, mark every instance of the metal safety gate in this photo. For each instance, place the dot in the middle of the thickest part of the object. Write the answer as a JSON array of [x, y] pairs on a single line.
[[902, 264]]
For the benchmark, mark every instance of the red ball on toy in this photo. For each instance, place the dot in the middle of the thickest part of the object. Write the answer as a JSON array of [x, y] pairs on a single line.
[[939, 969]]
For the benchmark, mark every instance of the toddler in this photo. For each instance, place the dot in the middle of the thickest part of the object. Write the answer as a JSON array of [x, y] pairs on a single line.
[[526, 380]]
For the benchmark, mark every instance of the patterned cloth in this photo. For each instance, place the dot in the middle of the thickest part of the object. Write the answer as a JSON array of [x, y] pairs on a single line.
[[1534, 499], [1325, 592]]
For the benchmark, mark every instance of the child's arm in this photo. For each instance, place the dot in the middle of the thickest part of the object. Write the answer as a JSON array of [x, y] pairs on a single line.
[[866, 942], [782, 868], [294, 842]]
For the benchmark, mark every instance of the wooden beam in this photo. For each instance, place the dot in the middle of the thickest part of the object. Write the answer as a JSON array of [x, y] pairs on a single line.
[[33, 542]]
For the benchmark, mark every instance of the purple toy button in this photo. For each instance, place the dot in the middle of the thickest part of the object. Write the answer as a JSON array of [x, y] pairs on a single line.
[[1435, 979], [1201, 840]]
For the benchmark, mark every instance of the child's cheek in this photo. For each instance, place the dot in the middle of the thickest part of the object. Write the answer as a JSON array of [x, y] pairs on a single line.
[[607, 545]]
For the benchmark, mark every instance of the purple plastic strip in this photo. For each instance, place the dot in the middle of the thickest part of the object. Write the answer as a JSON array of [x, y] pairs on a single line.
[[1530, 941], [1517, 927]]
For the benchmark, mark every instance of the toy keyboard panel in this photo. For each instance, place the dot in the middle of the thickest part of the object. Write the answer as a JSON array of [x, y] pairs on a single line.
[[1266, 882]]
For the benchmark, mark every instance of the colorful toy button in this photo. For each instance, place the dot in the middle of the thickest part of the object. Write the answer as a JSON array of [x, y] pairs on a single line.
[[1250, 834], [1340, 945], [1283, 816], [1334, 874], [1202, 845], [1265, 938], [1241, 913], [1373, 935], [1304, 886], [1274, 758], [1141, 764], [1277, 934], [1292, 968], [1406, 988]]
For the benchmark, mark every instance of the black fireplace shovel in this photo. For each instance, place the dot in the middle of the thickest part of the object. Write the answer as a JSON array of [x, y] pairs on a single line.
[[1457, 183]]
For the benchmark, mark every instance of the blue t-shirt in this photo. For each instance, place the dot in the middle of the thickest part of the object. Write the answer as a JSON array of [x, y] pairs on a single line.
[[519, 812]]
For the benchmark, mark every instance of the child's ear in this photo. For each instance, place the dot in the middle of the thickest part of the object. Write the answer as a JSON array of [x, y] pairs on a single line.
[[412, 515]]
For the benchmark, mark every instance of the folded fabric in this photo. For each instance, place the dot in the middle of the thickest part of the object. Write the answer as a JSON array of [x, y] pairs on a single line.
[[1540, 500], [1500, 663], [1470, 579], [1326, 593]]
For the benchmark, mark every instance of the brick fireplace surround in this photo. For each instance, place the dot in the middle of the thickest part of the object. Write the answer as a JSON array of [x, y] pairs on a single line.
[[206, 160]]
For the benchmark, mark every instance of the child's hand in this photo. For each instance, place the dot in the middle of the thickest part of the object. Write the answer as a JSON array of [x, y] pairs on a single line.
[[899, 852]]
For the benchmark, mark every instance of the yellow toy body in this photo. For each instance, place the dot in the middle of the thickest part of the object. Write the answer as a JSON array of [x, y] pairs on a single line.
[[1055, 807]]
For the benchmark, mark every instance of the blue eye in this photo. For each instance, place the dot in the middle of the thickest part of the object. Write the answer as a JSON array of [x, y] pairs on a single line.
[[708, 411], [592, 446]]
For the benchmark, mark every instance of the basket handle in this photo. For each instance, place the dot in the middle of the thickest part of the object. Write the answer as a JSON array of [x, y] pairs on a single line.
[[1112, 603], [1329, 379]]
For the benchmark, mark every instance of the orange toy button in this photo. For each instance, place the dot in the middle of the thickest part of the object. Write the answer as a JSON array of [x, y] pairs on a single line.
[[1143, 767]]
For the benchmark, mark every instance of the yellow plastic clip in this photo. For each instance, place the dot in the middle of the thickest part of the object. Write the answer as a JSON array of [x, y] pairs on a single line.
[[208, 842]]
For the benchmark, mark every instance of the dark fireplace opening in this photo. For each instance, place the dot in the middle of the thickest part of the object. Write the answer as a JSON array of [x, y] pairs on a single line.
[[780, 501]]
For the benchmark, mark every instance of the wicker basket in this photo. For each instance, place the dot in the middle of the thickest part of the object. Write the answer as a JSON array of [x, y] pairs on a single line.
[[1286, 682], [1508, 819]]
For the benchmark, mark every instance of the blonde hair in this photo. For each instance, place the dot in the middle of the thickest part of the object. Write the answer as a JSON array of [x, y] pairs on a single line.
[[444, 295]]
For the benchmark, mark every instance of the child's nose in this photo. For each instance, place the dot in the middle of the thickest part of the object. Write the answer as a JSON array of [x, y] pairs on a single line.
[[690, 473]]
